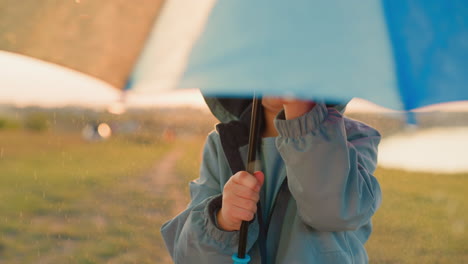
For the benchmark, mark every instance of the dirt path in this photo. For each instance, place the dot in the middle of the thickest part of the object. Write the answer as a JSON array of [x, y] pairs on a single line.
[[165, 180], [165, 183]]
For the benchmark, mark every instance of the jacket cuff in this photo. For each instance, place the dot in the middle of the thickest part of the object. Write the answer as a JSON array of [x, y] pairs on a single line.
[[213, 207], [230, 238], [301, 125]]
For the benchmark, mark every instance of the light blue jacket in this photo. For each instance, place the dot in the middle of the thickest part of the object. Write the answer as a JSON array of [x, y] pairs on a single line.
[[330, 161]]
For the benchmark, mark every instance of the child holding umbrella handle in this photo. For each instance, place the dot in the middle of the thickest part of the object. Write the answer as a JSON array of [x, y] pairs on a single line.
[[315, 187]]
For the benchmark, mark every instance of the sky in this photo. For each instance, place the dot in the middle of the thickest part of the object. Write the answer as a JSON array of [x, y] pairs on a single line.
[[28, 81]]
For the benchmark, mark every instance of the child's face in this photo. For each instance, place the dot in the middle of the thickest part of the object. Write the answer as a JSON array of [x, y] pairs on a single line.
[[273, 104]]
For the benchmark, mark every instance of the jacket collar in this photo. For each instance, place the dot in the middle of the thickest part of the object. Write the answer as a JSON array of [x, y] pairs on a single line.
[[234, 135]]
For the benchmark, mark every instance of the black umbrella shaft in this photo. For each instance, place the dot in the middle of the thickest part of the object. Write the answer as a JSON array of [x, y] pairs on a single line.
[[254, 136]]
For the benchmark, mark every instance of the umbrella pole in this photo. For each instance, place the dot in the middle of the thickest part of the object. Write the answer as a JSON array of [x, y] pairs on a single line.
[[254, 136]]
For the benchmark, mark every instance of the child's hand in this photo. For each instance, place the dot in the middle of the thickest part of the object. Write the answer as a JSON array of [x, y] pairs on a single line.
[[240, 196]]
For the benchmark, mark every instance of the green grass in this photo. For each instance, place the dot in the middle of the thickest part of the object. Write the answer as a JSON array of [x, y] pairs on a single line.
[[65, 200], [423, 219]]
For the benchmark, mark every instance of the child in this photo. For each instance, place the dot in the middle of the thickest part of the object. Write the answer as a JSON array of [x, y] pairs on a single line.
[[316, 190]]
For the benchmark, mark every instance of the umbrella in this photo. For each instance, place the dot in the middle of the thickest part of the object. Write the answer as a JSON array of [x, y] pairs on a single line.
[[401, 55], [398, 55], [101, 39]]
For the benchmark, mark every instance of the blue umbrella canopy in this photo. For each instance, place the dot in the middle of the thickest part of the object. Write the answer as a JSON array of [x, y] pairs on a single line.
[[398, 54]]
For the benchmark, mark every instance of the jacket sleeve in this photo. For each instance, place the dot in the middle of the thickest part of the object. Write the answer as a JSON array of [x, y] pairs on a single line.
[[330, 161], [193, 236]]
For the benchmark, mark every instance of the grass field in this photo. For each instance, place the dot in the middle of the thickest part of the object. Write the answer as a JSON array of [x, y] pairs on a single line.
[[65, 200], [423, 219]]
